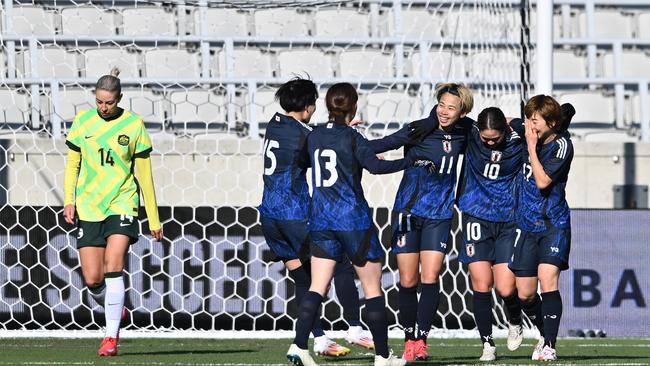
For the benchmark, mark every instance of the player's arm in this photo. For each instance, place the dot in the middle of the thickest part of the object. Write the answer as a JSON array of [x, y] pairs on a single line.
[[73, 162], [145, 179], [552, 169], [366, 156]]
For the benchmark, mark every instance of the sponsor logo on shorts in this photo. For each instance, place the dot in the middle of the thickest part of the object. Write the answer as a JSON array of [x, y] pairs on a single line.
[[443, 245], [469, 248], [401, 241], [80, 233]]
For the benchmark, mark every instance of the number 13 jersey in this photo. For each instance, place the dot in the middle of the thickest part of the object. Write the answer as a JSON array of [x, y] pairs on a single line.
[[106, 184]]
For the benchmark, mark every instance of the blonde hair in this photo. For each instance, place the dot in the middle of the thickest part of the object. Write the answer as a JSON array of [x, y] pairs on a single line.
[[110, 83], [459, 90]]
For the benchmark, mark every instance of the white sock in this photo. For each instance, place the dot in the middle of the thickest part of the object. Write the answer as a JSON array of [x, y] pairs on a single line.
[[98, 293], [113, 304]]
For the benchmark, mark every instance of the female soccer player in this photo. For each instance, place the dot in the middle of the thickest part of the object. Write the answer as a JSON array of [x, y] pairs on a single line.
[[105, 145], [488, 202], [543, 237], [340, 221], [285, 208]]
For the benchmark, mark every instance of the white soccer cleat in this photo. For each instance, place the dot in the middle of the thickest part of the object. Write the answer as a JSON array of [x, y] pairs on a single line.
[[300, 357], [356, 335], [489, 352], [324, 346], [390, 361], [548, 354], [537, 351], [515, 336]]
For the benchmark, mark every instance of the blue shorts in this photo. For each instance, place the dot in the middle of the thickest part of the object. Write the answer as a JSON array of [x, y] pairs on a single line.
[[413, 234], [486, 240], [359, 245], [551, 246], [288, 239]]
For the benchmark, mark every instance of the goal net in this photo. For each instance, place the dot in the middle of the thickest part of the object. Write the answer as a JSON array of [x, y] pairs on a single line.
[[202, 76]]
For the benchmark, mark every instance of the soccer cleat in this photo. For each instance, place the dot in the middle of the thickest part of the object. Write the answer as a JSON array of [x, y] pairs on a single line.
[[300, 357], [515, 336], [537, 351], [420, 350], [409, 351], [108, 347], [324, 346], [390, 361], [547, 354], [356, 335], [489, 352]]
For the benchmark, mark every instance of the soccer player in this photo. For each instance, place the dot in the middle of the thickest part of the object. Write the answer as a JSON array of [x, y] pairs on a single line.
[[543, 237], [108, 149], [488, 201], [340, 221], [285, 208]]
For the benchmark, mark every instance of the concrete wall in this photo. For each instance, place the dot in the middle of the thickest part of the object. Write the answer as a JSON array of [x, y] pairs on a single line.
[[226, 172]]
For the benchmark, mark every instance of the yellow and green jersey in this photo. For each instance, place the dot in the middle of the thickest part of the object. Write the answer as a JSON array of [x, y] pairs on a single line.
[[106, 184]]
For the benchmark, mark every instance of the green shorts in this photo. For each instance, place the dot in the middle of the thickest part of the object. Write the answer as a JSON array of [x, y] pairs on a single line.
[[94, 233]]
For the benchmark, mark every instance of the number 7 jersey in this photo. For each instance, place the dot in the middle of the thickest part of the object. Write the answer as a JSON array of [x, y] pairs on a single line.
[[106, 184]]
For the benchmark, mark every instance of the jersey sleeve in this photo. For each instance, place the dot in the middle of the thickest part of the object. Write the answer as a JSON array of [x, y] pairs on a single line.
[[517, 124], [390, 142], [143, 144], [74, 138], [366, 156], [560, 161]]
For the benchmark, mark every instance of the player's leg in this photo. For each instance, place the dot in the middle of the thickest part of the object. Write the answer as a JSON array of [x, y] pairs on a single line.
[[504, 278], [91, 244], [348, 296], [481, 277]]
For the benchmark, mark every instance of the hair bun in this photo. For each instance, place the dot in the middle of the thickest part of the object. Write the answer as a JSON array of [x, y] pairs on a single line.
[[115, 71]]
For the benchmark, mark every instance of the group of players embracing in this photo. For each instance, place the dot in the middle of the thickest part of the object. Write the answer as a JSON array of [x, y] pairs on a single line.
[[515, 218]]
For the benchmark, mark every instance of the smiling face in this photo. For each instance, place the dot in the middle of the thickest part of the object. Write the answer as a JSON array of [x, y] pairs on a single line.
[[107, 102], [540, 126], [449, 110]]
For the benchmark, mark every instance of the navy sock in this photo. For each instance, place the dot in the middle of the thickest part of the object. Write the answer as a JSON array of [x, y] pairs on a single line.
[[427, 308], [552, 311], [378, 324], [408, 310], [309, 307], [302, 279], [347, 293], [513, 307], [483, 315], [533, 309]]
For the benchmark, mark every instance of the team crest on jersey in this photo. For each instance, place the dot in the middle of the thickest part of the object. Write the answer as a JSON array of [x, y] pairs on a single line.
[[401, 241], [470, 249], [446, 146], [496, 156], [123, 140], [277, 118]]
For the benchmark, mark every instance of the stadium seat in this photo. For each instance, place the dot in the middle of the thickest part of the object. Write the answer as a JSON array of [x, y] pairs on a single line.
[[198, 112], [644, 25], [636, 64], [52, 62], [367, 63], [497, 65], [633, 109], [611, 135], [100, 61], [419, 23], [33, 20], [247, 63], [480, 24], [15, 110], [482, 100], [147, 104], [71, 101], [510, 103], [313, 62], [171, 63], [149, 21], [594, 110], [390, 106], [280, 23], [608, 24], [442, 65], [569, 64], [88, 21], [342, 22], [265, 104], [3, 64], [215, 26]]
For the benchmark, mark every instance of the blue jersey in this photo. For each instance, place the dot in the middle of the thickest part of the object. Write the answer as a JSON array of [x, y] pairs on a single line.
[[490, 178], [338, 154], [540, 210], [286, 194]]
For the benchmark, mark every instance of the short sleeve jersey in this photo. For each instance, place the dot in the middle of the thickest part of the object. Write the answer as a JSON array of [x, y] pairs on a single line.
[[490, 178], [106, 184], [286, 193], [336, 152]]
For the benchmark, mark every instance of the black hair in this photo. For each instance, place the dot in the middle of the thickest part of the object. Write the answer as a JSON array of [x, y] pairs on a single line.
[[492, 118], [341, 101], [568, 111], [296, 94]]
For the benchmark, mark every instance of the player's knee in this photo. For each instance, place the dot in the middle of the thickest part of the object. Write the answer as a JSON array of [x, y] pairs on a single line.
[[408, 281], [526, 297], [429, 277], [505, 292], [93, 280]]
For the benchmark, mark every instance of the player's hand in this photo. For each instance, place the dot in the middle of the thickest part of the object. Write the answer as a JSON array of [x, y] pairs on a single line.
[[531, 134], [356, 122], [380, 157], [157, 234], [68, 214]]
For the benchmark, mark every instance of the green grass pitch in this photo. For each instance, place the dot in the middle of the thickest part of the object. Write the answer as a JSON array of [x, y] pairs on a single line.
[[209, 352]]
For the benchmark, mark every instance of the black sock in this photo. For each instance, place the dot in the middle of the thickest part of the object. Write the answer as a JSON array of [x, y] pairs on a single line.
[[408, 310], [427, 308], [378, 324], [309, 307], [347, 293], [533, 309], [552, 311], [302, 279], [513, 307], [483, 315]]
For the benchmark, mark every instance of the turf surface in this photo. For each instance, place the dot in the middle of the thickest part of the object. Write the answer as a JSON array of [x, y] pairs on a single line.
[[207, 352]]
